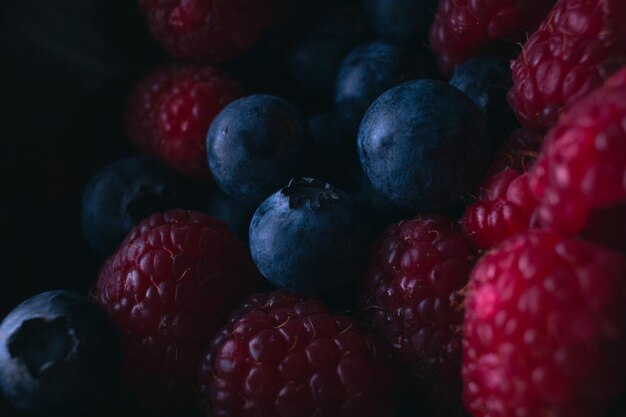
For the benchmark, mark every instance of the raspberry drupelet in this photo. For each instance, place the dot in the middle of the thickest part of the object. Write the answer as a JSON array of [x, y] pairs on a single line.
[[170, 284], [170, 112]]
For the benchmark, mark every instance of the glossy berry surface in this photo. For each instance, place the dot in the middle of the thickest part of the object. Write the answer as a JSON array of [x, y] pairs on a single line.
[[124, 193], [170, 112], [283, 355], [424, 145], [576, 48], [59, 354], [580, 177], [544, 324], [413, 295], [401, 21], [169, 286], [308, 237], [371, 69], [505, 206], [256, 145], [211, 30], [465, 28]]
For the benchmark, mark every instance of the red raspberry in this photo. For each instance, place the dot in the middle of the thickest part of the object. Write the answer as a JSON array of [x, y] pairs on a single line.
[[505, 205], [580, 178], [287, 356], [413, 293], [169, 287], [544, 329], [466, 28], [578, 45], [170, 112], [211, 30]]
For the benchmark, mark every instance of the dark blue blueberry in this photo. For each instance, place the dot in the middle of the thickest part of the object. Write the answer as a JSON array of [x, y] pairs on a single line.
[[370, 70], [316, 56], [255, 145], [235, 214], [486, 80], [335, 147], [123, 194], [308, 237], [424, 145], [59, 354], [402, 21]]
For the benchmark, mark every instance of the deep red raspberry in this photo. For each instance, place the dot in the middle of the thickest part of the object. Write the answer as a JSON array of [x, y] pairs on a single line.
[[544, 329], [211, 30], [466, 28], [578, 45], [580, 178], [169, 287], [505, 206], [287, 356], [417, 270], [170, 112]]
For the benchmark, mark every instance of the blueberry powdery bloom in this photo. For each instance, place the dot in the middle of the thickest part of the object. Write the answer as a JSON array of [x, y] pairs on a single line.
[[309, 237], [424, 146], [255, 145], [59, 354]]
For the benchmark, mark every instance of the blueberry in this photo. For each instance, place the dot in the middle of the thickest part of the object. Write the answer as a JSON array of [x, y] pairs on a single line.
[[308, 237], [235, 214], [370, 70], [402, 21], [255, 145], [316, 56], [59, 354], [335, 147], [123, 194], [424, 145], [486, 80]]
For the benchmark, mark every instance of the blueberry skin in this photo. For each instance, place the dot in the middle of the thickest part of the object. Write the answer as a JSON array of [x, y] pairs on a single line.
[[370, 70], [401, 21], [59, 354], [316, 57], [424, 146], [255, 145], [235, 214], [486, 81], [308, 237], [124, 193]]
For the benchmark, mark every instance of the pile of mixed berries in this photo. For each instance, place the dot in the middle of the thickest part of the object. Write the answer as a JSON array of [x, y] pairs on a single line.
[[420, 210]]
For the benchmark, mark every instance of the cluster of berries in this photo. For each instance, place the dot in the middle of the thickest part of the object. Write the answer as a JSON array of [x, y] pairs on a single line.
[[469, 258]]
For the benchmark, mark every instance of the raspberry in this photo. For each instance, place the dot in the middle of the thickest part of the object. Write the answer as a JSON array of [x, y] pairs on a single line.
[[211, 30], [170, 284], [543, 332], [287, 356], [413, 292], [580, 178], [467, 28], [505, 205], [578, 45], [170, 112]]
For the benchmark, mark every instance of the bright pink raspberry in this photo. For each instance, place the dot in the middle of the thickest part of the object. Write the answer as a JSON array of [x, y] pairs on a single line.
[[170, 112], [505, 206], [467, 28], [413, 295], [580, 178], [283, 355], [578, 46], [169, 287], [544, 329]]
